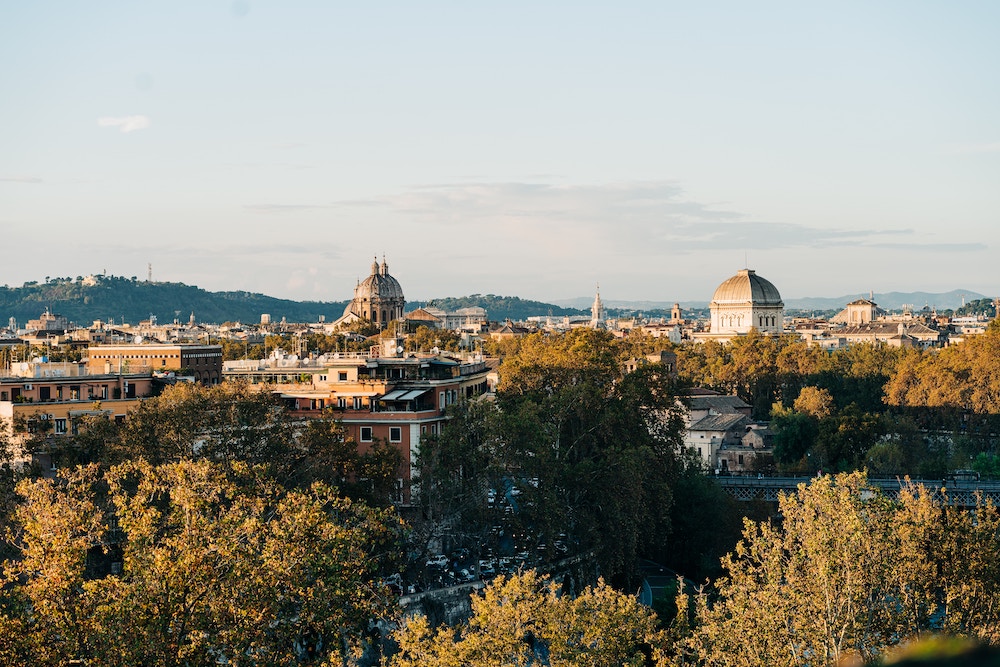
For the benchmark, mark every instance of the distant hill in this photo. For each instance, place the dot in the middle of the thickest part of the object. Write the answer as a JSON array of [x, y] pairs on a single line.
[[500, 308], [888, 300], [133, 300], [584, 303]]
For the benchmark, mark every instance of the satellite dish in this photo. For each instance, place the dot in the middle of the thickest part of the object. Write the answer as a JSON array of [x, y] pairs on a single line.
[[137, 340], [435, 350], [399, 350]]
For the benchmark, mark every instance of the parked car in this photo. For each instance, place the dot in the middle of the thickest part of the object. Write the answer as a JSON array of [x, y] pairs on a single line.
[[439, 560], [486, 569]]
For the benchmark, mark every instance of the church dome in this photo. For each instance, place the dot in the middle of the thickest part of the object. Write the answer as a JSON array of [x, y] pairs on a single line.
[[747, 287], [378, 298], [379, 285]]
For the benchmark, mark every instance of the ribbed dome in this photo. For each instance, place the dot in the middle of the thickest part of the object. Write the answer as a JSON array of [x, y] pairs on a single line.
[[747, 287], [379, 285]]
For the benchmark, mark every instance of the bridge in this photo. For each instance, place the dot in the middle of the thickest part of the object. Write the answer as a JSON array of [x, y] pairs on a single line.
[[955, 492]]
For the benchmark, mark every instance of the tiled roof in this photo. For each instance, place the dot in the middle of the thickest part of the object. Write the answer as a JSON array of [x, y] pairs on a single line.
[[719, 422], [727, 404]]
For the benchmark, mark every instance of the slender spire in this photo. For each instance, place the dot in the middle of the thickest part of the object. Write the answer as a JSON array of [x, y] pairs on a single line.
[[597, 313]]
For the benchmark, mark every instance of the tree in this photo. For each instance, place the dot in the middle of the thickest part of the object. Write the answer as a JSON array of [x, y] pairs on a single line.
[[217, 564], [424, 339], [850, 572], [324, 452], [794, 435], [227, 422], [574, 450], [595, 449], [522, 620], [844, 439], [963, 380], [815, 402], [458, 469]]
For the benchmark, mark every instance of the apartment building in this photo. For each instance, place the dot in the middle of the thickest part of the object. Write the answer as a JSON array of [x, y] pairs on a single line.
[[54, 399], [203, 362], [393, 399]]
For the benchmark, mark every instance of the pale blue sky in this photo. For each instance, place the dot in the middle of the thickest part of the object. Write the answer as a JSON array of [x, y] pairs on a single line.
[[520, 148]]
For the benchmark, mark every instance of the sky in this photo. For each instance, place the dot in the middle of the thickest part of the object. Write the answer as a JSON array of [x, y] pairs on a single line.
[[532, 149]]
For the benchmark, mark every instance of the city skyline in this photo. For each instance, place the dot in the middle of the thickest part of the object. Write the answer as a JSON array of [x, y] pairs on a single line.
[[523, 150]]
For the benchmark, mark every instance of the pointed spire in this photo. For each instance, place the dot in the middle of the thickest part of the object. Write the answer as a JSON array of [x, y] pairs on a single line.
[[597, 313], [385, 267], [375, 265]]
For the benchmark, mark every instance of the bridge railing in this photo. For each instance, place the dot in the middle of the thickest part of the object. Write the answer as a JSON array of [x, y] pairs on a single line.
[[955, 492]]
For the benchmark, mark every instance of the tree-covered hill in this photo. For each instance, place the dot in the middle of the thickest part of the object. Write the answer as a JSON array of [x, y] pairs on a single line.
[[132, 300], [500, 308]]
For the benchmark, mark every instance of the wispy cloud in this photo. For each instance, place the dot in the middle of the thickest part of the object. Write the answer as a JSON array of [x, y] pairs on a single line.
[[20, 179], [125, 123], [640, 218]]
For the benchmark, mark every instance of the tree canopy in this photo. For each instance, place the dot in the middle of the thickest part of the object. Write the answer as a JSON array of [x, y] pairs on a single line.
[[522, 620], [581, 452], [850, 572], [190, 563]]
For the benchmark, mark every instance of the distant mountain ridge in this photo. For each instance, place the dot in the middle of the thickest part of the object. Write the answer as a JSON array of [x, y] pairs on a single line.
[[891, 300], [131, 300], [951, 300]]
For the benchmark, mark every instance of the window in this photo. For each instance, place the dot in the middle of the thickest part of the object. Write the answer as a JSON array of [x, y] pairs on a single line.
[[60, 426], [366, 434], [342, 376], [395, 434], [357, 403], [342, 403]]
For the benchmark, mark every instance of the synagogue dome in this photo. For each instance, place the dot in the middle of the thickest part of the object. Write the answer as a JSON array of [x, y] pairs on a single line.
[[744, 302], [747, 287]]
